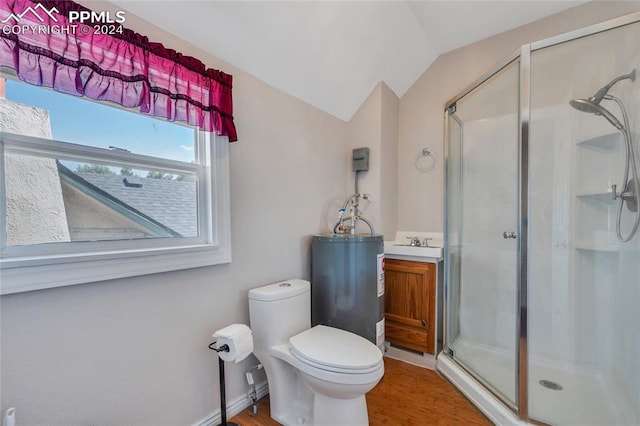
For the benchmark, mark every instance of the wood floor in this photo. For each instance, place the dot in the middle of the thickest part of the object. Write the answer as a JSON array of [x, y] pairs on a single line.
[[406, 395]]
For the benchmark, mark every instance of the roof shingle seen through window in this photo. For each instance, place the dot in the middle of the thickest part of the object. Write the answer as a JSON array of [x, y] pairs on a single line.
[[170, 202]]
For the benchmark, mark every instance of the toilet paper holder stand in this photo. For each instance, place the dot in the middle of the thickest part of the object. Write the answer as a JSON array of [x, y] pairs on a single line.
[[223, 398]]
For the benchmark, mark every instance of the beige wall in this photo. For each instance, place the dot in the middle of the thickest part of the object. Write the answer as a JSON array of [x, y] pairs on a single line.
[[134, 351], [421, 122], [389, 163], [364, 131], [375, 125]]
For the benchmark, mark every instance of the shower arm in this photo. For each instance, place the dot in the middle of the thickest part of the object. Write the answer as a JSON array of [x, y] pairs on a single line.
[[602, 93]]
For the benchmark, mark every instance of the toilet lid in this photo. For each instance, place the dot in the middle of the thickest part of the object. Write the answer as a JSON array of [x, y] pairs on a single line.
[[332, 348]]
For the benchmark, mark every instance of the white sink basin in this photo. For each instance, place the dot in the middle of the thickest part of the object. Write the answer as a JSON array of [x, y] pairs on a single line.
[[403, 249]]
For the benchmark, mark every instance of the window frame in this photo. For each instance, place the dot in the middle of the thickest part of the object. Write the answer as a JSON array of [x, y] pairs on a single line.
[[40, 266]]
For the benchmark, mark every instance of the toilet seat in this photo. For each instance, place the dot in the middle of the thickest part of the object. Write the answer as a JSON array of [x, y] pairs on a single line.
[[335, 350]]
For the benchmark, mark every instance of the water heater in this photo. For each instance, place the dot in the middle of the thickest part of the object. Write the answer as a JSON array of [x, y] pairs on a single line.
[[347, 284]]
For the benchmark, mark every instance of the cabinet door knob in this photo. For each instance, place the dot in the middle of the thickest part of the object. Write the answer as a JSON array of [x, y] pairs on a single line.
[[424, 323]]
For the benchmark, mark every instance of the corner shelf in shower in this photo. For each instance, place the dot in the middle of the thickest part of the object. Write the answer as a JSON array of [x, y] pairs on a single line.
[[597, 247], [606, 142]]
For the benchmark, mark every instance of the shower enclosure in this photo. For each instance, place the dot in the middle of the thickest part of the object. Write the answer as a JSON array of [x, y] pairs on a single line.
[[543, 257]]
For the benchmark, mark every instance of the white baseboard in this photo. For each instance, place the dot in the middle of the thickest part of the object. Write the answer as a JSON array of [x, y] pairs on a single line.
[[425, 360], [234, 407]]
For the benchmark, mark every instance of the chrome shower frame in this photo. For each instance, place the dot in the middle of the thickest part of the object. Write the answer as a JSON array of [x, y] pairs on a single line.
[[523, 55]]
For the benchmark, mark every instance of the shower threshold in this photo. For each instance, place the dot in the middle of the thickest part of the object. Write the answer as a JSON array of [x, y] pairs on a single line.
[[571, 394]]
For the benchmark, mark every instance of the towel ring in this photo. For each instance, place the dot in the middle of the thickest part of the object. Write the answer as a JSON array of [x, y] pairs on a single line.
[[425, 161]]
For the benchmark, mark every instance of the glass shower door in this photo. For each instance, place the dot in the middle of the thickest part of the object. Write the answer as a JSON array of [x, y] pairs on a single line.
[[481, 225], [562, 298]]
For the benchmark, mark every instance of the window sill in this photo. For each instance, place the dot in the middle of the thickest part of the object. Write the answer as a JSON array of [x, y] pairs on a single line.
[[23, 276]]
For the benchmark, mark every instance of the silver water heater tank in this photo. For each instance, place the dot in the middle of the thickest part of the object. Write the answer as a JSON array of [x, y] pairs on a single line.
[[347, 284]]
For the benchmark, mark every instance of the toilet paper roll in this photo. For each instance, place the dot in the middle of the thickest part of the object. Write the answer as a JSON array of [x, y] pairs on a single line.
[[239, 339]]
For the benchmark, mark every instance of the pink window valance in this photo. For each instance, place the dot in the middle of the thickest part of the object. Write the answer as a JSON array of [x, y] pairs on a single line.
[[41, 44]]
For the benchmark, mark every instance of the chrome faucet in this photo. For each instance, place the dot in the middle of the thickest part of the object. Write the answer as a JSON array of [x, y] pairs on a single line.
[[415, 241]]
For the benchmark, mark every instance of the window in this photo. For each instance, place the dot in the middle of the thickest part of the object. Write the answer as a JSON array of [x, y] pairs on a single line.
[[92, 192]]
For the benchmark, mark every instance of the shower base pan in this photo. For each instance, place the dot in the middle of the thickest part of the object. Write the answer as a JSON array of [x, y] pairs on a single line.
[[559, 393]]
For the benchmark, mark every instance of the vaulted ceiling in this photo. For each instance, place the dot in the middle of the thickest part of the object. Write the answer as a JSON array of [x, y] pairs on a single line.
[[331, 54]]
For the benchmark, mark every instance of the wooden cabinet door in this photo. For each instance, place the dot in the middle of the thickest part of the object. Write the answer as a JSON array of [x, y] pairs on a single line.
[[409, 304]]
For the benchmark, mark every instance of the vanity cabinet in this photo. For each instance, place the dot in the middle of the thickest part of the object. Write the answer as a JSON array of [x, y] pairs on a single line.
[[410, 304]]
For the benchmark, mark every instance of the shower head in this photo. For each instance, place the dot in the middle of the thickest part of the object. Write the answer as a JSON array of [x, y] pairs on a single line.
[[592, 105]]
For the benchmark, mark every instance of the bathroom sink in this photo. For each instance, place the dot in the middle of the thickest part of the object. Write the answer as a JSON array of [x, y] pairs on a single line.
[[401, 245], [405, 249]]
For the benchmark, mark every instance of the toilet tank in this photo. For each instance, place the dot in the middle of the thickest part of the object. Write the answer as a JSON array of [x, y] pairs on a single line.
[[278, 311]]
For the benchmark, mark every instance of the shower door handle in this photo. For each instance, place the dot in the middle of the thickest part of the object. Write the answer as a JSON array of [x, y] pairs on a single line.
[[506, 235]]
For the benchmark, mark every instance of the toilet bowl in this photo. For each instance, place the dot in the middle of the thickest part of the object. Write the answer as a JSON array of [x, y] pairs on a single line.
[[316, 375]]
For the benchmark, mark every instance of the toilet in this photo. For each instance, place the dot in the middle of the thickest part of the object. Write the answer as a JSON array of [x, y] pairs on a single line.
[[317, 375]]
